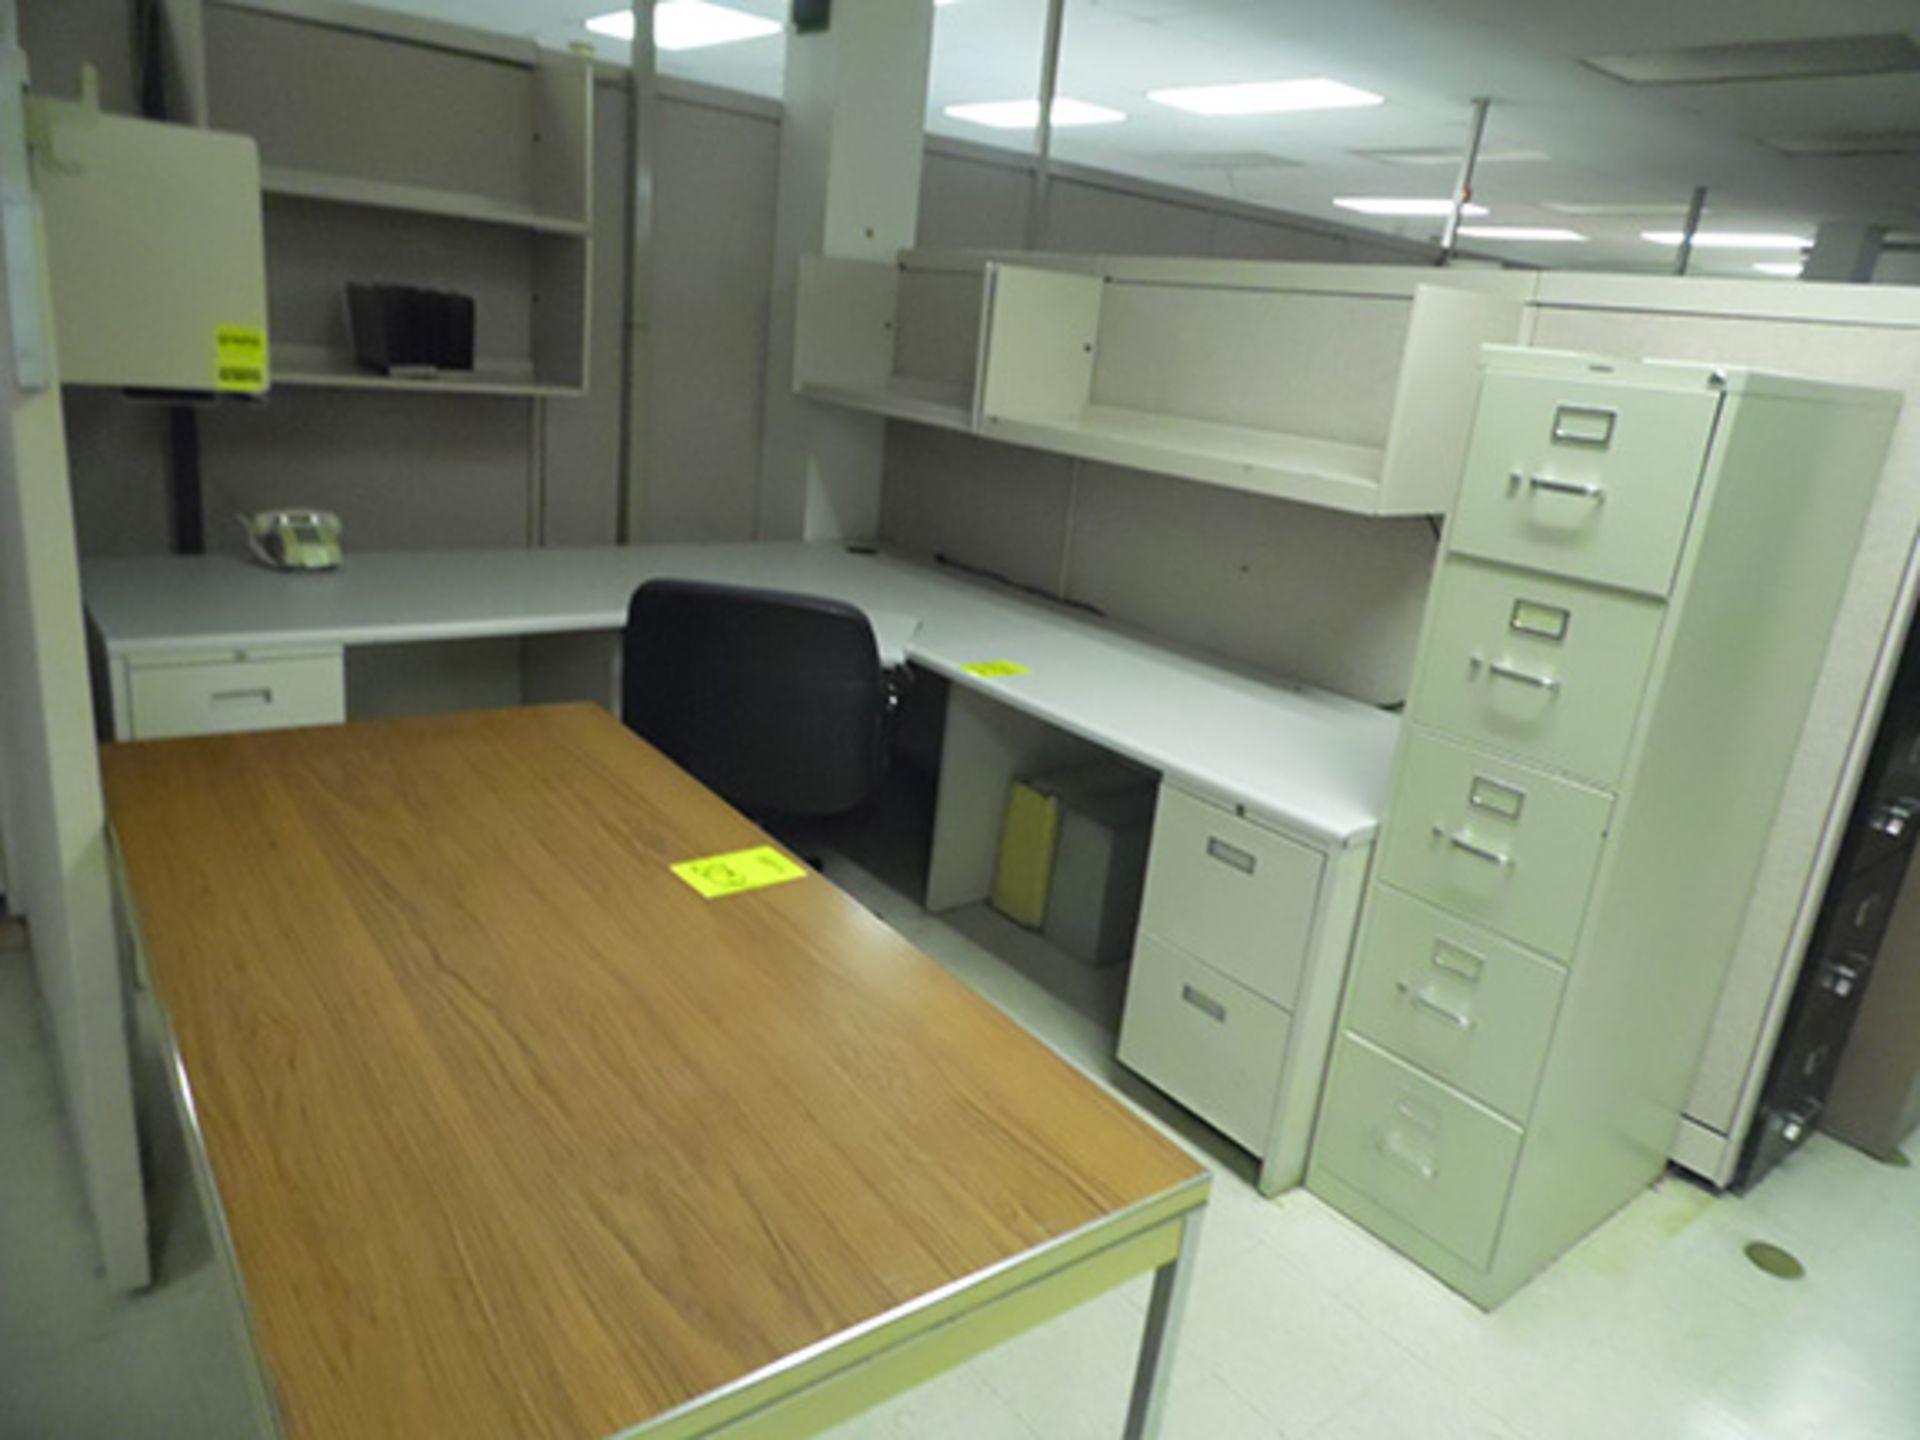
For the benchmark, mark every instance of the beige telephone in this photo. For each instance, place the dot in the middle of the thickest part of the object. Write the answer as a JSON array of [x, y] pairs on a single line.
[[294, 539]]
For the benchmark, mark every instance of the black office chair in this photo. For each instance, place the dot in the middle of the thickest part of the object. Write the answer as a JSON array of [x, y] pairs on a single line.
[[777, 702]]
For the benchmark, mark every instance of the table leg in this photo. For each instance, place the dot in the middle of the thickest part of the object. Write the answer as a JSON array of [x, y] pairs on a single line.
[[1153, 1379]]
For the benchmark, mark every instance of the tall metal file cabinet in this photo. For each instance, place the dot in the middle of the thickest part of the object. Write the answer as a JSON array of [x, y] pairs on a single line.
[[1636, 590]]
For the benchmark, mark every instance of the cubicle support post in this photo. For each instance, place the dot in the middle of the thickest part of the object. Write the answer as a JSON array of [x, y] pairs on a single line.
[[850, 155]]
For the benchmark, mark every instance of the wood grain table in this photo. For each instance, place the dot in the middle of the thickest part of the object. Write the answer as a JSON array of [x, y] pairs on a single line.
[[514, 1134]]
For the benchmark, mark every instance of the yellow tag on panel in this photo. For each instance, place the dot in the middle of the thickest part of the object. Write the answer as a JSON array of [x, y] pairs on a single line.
[[740, 870], [240, 358], [996, 669]]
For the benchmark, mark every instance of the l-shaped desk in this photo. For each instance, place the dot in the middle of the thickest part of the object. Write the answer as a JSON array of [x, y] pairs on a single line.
[[1270, 800]]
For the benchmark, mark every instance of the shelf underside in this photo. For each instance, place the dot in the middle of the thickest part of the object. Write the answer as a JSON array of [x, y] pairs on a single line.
[[413, 199]]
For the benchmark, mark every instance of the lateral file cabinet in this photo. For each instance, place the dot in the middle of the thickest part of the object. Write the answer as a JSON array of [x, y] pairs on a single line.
[[1627, 620], [1244, 932]]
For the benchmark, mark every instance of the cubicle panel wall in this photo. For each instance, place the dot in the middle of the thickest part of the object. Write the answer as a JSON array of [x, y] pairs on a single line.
[[1298, 362], [348, 103], [936, 331], [1000, 508], [405, 472]]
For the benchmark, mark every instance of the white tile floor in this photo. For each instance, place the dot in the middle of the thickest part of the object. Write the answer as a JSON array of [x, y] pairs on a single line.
[[1300, 1325]]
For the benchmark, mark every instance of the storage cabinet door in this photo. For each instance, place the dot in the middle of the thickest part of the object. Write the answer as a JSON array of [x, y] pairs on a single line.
[[1502, 844], [1237, 895], [257, 693], [1550, 671], [1209, 1042], [1461, 1003], [1435, 1160], [1588, 480]]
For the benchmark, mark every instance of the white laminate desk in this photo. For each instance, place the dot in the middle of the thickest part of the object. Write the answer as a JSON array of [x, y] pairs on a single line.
[[1277, 790]]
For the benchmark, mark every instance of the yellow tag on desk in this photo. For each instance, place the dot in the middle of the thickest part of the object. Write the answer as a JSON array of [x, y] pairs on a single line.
[[729, 874], [996, 669], [240, 358]]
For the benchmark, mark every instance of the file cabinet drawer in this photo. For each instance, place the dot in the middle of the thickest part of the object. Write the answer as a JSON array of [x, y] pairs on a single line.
[[1589, 480], [1209, 1042], [1508, 846], [1436, 1161], [1554, 672], [1235, 894], [218, 697], [1463, 1005]]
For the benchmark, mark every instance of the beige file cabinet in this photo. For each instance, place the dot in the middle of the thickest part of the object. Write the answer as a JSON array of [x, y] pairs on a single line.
[[1627, 620], [1242, 948]]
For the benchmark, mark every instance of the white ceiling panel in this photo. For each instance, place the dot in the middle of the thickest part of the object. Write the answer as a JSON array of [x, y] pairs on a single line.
[[1607, 143]]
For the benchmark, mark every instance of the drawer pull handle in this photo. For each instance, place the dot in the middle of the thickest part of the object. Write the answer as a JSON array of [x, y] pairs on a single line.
[[1395, 1149], [1204, 1003], [1457, 960], [1582, 489], [1241, 860], [1427, 1002], [261, 694], [1468, 847], [1513, 672]]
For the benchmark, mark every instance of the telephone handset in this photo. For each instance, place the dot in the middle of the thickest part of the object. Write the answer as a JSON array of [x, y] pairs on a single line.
[[294, 539]]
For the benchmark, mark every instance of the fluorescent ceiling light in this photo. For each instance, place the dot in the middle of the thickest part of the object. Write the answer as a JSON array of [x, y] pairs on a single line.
[[1446, 156], [1729, 240], [1521, 232], [1025, 114], [1632, 209], [1789, 268], [1390, 205], [1265, 97], [688, 25], [1754, 60]]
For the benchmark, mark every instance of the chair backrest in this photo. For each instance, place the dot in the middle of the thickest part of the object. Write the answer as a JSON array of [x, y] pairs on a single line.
[[775, 701]]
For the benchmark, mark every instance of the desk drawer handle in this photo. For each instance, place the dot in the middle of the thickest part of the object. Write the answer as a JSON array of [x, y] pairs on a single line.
[[1204, 1003], [1514, 673], [1581, 489], [1468, 847], [262, 694], [1241, 860], [1426, 1002]]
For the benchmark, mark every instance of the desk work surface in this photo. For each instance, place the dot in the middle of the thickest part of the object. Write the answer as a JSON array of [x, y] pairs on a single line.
[[515, 1134], [1308, 759]]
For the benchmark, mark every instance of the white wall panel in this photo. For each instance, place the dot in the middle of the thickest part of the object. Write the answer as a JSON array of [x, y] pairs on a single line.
[[1324, 597], [996, 507]]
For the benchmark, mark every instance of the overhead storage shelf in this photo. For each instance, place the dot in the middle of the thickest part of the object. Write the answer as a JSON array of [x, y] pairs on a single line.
[[1347, 387], [319, 185]]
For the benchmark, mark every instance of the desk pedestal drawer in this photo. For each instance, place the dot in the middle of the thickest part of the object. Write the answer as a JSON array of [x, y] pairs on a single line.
[[1458, 1002], [1205, 1039], [1233, 893], [222, 696], [1433, 1159]]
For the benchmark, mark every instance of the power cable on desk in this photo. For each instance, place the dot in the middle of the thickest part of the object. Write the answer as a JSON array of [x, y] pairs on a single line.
[[980, 572]]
